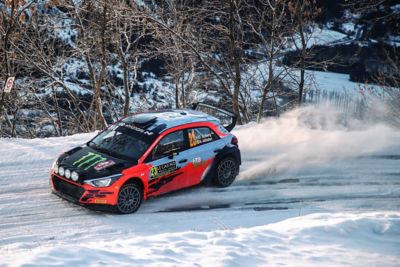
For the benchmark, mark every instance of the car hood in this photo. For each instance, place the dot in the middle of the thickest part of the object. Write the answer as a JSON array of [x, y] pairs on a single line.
[[90, 163]]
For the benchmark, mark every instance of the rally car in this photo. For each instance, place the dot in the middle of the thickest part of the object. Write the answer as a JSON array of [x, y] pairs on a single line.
[[149, 154]]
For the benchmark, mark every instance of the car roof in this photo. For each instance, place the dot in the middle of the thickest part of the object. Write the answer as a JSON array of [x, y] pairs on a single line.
[[159, 121]]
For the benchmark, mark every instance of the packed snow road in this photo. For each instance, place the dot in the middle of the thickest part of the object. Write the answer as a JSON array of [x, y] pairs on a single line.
[[329, 210]]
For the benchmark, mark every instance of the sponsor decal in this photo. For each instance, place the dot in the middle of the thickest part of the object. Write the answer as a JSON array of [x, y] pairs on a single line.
[[163, 169], [198, 140], [192, 139], [89, 160], [104, 165], [137, 129], [206, 138], [198, 162], [153, 172]]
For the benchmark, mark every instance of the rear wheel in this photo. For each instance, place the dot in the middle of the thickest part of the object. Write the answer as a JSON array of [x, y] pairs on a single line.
[[226, 172], [130, 198]]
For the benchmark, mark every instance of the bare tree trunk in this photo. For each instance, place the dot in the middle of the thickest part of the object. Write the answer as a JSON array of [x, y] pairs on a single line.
[[302, 56], [267, 86], [126, 88], [183, 95], [59, 121], [5, 48], [236, 61], [13, 128], [99, 104], [176, 81], [97, 80]]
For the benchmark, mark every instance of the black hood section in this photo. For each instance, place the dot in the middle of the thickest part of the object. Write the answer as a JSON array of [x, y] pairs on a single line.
[[90, 163]]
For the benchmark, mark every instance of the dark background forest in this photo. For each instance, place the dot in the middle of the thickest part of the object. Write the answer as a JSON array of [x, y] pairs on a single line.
[[82, 64]]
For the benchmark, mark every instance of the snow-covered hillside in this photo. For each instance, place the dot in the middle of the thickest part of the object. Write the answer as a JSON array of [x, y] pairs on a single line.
[[311, 192]]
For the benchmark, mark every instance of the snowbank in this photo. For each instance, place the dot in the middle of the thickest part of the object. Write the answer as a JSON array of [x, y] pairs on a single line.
[[366, 239]]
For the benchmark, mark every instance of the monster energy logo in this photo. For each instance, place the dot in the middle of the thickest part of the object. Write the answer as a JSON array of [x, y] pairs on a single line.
[[88, 161]]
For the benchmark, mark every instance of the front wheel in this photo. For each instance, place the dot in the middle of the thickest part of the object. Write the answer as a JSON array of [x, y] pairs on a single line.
[[130, 198], [226, 172]]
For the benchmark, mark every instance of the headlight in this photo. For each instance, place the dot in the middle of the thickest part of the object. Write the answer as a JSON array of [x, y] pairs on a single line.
[[67, 173], [74, 176], [104, 181], [61, 171]]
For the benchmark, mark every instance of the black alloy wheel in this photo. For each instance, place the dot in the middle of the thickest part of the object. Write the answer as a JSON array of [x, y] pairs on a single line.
[[129, 198], [227, 170]]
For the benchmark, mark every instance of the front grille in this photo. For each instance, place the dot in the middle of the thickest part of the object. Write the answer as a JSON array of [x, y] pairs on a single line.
[[68, 189]]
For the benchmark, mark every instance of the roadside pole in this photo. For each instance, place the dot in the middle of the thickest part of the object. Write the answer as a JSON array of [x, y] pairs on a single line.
[[7, 89]]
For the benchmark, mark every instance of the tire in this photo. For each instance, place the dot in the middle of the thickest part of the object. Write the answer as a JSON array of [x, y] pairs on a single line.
[[226, 172], [130, 198]]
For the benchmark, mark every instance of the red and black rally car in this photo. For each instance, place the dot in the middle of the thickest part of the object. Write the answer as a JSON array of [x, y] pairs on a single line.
[[147, 155]]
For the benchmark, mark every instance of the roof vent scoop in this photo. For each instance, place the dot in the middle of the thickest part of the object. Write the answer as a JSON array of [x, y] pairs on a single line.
[[144, 119]]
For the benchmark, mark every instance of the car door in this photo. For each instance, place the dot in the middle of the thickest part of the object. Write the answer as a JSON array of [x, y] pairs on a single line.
[[168, 164], [204, 144]]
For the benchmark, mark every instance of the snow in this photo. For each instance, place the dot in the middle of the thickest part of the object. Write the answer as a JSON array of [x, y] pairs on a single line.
[[393, 40], [396, 8], [300, 241], [157, 95], [348, 27], [255, 76], [337, 82], [312, 192], [317, 36], [65, 32]]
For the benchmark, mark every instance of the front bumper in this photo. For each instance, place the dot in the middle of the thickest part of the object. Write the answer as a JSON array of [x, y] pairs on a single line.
[[83, 194]]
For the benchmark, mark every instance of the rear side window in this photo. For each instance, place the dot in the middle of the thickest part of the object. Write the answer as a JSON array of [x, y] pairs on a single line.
[[200, 136]]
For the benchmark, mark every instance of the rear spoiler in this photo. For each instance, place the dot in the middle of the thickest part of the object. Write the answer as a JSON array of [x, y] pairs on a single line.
[[212, 110]]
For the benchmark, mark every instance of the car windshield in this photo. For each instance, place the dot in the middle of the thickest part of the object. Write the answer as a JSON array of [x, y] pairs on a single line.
[[121, 142]]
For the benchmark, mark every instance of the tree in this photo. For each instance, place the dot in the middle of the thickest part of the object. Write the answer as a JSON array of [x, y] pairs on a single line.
[[303, 14], [92, 20], [12, 14], [216, 42], [128, 35], [270, 27], [170, 45], [46, 64]]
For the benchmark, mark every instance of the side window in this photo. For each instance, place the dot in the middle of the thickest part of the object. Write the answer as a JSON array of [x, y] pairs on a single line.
[[171, 143], [200, 136]]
